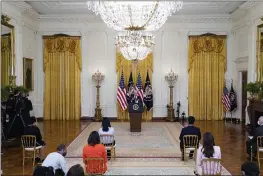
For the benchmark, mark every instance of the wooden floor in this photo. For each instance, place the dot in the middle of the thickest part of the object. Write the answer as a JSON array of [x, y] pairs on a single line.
[[230, 137]]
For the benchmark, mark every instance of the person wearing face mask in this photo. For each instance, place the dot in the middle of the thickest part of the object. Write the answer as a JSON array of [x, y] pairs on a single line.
[[253, 142], [57, 160]]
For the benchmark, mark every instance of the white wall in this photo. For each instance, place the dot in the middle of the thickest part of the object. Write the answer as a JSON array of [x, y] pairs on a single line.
[[25, 45], [245, 22], [98, 52]]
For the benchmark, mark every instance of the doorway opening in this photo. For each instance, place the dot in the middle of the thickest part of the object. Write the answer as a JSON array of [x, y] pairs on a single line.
[[244, 95]]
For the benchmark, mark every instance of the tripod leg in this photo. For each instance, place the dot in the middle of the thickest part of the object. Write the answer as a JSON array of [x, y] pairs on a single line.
[[13, 121], [24, 124]]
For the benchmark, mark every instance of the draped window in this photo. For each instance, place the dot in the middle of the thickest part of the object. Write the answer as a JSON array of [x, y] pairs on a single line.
[[62, 67], [206, 69], [127, 66]]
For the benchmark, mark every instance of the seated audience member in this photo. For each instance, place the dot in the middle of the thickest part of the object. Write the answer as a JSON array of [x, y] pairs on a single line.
[[94, 150], [57, 160], [208, 150], [250, 169], [76, 170], [189, 130], [43, 171], [32, 129], [107, 129], [253, 142]]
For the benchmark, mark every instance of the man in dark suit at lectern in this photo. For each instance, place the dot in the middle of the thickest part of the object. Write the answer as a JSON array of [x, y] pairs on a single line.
[[132, 95], [135, 109]]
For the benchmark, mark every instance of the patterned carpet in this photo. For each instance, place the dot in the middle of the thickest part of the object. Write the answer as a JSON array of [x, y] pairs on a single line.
[[154, 151]]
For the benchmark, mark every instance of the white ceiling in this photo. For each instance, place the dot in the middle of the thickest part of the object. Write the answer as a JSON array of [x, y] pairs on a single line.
[[80, 8]]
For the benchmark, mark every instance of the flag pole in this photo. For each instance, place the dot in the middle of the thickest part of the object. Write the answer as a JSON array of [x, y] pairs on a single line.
[[231, 116], [225, 117]]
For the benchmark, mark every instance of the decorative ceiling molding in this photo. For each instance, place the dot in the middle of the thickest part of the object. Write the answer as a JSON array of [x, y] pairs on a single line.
[[248, 5], [82, 5], [94, 18], [70, 18], [200, 18], [243, 9], [241, 60], [26, 8]]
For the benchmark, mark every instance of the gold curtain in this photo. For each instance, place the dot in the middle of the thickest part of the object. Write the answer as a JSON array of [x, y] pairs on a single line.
[[259, 55], [127, 66], [6, 60], [206, 72], [62, 67]]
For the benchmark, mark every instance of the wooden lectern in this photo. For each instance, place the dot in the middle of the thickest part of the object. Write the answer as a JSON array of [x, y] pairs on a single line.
[[135, 110]]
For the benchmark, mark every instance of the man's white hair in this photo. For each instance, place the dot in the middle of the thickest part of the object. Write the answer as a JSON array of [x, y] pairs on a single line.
[[260, 120]]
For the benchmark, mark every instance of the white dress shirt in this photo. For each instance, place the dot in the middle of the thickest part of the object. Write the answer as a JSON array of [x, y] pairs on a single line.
[[200, 156], [111, 131], [55, 160]]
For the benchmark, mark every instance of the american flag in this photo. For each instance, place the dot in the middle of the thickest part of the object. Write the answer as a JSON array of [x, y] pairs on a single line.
[[121, 94], [139, 86], [225, 99]]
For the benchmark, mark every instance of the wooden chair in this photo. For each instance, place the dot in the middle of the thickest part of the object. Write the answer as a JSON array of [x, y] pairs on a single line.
[[259, 148], [107, 140], [190, 143], [211, 166], [94, 166], [29, 147]]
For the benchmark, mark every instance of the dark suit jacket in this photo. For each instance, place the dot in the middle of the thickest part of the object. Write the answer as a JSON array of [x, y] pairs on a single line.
[[189, 130], [33, 130], [258, 132]]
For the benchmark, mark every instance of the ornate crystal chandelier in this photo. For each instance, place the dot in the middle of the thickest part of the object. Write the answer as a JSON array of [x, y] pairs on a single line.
[[134, 15], [135, 45]]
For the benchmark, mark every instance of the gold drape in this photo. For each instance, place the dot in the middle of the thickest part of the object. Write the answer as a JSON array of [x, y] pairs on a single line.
[[6, 60], [62, 67], [259, 55], [127, 66], [206, 69]]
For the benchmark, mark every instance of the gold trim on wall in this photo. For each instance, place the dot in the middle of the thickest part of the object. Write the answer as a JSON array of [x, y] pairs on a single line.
[[28, 73], [5, 20], [259, 52]]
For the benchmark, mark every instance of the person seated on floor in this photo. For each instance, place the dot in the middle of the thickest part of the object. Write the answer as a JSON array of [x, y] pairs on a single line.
[[250, 169], [76, 170], [32, 129], [57, 160], [108, 130], [189, 130], [208, 150], [94, 149], [253, 142]]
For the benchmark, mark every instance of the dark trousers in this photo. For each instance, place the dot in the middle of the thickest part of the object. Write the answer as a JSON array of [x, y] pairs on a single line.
[[108, 151], [251, 143], [182, 150], [43, 171]]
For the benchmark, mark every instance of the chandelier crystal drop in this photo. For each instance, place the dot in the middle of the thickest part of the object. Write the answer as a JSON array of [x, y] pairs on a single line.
[[135, 45], [134, 15]]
